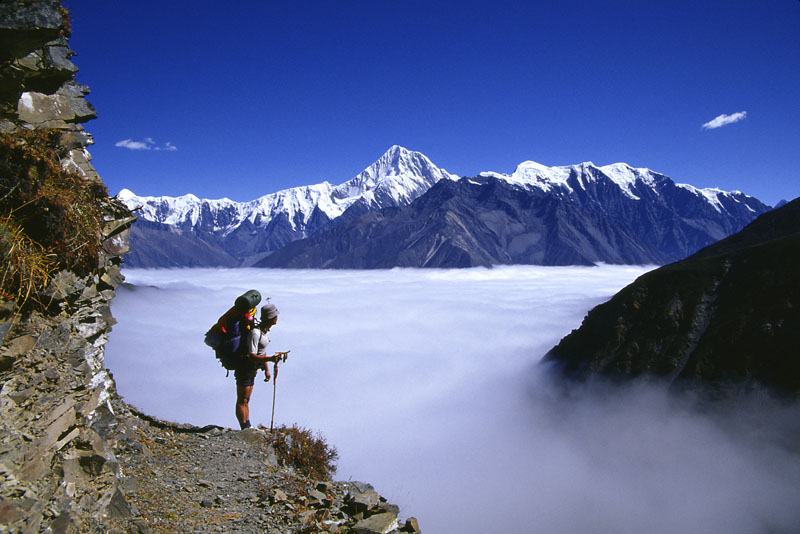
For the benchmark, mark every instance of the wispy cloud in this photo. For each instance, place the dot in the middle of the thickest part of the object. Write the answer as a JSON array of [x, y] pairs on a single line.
[[724, 120], [147, 144], [133, 145]]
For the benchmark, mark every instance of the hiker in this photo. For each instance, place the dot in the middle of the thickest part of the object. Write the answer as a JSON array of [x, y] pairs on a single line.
[[256, 344], [228, 336]]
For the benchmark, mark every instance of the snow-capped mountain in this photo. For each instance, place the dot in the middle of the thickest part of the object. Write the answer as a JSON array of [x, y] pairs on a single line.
[[397, 178], [252, 229], [637, 184], [575, 215], [537, 214]]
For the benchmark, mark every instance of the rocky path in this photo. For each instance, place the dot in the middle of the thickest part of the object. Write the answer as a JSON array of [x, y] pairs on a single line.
[[180, 478]]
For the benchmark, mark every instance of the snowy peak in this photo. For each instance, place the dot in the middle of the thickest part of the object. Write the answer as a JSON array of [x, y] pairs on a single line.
[[541, 176], [395, 162], [533, 175], [182, 211], [628, 178], [630, 181], [297, 203], [400, 175], [396, 178]]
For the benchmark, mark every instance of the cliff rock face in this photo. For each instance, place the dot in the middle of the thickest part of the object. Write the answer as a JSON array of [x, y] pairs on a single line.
[[729, 314], [58, 472], [37, 87]]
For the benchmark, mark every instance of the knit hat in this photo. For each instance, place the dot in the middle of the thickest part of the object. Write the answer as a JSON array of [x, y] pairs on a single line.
[[268, 311]]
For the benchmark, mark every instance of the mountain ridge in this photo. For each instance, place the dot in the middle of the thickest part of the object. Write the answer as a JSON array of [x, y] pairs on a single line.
[[485, 220], [398, 175], [246, 233], [243, 232]]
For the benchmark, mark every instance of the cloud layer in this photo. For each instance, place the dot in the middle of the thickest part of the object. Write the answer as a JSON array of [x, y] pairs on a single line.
[[147, 144], [724, 120], [428, 384]]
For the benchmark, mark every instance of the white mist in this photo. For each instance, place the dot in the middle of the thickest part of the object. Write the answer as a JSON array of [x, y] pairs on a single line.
[[427, 383]]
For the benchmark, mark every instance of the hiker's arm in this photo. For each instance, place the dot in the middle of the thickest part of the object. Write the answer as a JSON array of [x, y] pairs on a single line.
[[256, 358], [263, 359]]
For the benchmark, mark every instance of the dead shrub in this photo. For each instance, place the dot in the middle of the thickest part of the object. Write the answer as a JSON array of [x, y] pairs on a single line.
[[308, 453]]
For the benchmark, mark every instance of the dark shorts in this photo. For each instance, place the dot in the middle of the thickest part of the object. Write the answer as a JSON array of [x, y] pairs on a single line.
[[245, 373]]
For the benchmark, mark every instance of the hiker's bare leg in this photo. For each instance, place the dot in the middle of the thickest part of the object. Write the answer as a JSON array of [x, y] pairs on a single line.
[[243, 403]]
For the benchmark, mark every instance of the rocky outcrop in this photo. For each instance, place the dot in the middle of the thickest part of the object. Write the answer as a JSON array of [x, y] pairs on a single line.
[[58, 470], [37, 87], [219, 480], [726, 316]]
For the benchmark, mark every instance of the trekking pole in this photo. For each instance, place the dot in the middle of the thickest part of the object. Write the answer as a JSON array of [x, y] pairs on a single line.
[[274, 391], [280, 355]]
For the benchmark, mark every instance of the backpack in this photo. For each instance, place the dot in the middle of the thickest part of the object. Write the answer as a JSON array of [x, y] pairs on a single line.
[[226, 335]]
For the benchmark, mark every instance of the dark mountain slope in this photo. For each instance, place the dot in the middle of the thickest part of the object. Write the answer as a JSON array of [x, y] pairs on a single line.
[[160, 245], [471, 222], [727, 314], [487, 221]]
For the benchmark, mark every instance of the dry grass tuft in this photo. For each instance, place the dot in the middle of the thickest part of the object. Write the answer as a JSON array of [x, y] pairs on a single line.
[[50, 218], [308, 453], [27, 265]]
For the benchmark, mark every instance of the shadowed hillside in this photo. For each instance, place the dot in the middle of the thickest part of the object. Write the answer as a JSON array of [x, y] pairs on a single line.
[[728, 314]]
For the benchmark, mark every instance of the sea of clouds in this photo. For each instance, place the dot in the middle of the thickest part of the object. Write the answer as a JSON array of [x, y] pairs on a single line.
[[429, 384]]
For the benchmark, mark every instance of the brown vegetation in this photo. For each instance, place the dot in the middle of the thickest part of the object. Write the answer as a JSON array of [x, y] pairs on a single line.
[[50, 218], [308, 453]]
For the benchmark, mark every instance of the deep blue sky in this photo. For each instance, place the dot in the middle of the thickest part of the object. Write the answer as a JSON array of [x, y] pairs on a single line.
[[247, 97]]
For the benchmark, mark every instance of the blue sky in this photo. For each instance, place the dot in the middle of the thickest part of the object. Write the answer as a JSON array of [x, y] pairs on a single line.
[[245, 98]]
